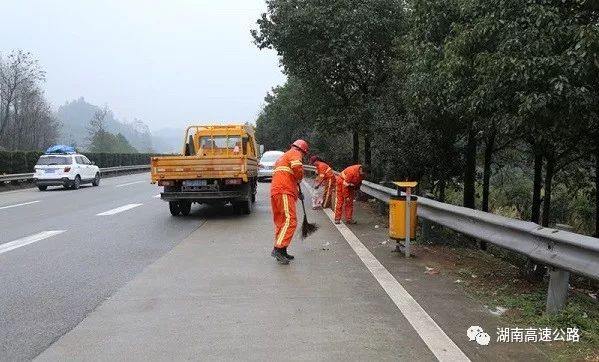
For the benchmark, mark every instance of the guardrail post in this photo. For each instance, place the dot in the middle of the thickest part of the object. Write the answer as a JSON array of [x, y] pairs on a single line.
[[426, 226], [426, 229], [557, 292], [559, 281]]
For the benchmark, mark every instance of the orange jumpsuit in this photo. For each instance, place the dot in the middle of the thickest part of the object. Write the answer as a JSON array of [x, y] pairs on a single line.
[[348, 181], [326, 178], [288, 172]]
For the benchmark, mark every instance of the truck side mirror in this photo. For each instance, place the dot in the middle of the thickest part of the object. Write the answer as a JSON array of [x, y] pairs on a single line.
[[261, 150]]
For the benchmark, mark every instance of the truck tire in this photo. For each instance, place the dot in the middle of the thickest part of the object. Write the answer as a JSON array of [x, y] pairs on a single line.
[[254, 190], [173, 206], [245, 207], [185, 207]]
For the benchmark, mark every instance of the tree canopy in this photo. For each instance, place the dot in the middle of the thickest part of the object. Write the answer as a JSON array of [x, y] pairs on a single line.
[[449, 93]]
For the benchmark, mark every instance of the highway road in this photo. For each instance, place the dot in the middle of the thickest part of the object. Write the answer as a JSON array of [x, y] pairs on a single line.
[[105, 273], [82, 256]]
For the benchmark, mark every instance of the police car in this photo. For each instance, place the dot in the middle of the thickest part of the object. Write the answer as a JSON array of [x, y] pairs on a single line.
[[63, 166]]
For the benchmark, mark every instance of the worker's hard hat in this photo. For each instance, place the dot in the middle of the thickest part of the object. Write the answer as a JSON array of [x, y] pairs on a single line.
[[301, 145], [313, 159]]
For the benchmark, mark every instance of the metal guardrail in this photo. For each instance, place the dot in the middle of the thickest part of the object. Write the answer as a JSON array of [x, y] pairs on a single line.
[[118, 169], [105, 170], [563, 251], [16, 177]]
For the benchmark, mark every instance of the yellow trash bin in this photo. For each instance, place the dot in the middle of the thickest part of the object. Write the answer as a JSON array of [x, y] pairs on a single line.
[[397, 217]]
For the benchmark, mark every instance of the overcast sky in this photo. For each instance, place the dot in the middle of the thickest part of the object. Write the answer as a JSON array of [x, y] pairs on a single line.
[[167, 62]]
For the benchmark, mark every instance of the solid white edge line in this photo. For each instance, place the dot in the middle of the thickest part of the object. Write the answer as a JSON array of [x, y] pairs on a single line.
[[118, 209], [6, 247], [17, 205], [429, 331], [130, 183]]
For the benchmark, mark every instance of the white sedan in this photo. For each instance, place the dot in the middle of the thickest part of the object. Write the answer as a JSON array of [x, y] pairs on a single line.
[[266, 164]]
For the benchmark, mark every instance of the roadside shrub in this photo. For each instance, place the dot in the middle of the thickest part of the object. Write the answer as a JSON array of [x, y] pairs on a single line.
[[24, 161]]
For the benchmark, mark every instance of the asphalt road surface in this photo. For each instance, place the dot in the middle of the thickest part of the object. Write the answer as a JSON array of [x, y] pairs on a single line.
[[106, 273], [49, 285]]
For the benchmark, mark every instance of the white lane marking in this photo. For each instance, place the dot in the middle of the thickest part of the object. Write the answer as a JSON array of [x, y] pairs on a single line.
[[429, 331], [17, 205], [28, 240], [156, 196], [130, 183], [118, 209]]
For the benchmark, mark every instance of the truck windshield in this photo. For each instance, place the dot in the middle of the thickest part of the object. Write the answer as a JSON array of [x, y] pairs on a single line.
[[221, 144]]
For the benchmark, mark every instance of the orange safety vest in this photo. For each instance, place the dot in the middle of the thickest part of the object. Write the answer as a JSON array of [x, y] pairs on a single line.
[[351, 176], [288, 173], [323, 170]]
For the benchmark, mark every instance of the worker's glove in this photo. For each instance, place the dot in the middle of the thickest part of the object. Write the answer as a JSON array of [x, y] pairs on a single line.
[[316, 187]]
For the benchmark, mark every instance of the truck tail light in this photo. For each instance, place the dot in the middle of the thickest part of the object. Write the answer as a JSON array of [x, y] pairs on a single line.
[[67, 169], [233, 181], [166, 183]]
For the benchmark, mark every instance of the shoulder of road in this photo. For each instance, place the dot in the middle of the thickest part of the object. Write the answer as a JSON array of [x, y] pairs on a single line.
[[219, 295]]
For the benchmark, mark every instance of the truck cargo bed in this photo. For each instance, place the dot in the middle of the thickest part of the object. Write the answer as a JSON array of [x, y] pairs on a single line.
[[201, 167]]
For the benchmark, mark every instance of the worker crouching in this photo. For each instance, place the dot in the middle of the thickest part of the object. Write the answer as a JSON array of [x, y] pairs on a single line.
[[348, 181], [288, 173]]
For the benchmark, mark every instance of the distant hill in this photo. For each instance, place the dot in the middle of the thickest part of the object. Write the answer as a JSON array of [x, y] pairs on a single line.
[[168, 140], [75, 116]]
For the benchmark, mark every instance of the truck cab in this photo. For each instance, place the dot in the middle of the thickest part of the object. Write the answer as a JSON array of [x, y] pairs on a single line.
[[218, 164]]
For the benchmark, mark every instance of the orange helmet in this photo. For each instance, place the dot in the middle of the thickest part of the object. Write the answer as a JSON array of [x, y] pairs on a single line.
[[301, 145]]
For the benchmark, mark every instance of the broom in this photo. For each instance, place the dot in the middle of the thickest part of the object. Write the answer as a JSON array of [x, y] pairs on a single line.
[[307, 228]]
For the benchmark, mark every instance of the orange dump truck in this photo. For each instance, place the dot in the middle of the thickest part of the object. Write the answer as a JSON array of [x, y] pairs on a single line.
[[219, 164]]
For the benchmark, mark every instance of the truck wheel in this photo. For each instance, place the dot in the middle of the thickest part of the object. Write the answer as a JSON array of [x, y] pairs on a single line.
[[243, 207], [173, 206], [185, 207], [253, 189], [42, 187], [246, 205]]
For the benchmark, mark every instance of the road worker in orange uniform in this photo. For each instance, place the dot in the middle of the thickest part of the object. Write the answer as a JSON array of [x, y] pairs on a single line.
[[288, 173], [348, 181], [326, 178]]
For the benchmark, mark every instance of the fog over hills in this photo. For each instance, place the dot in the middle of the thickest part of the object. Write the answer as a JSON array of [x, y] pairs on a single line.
[[75, 116]]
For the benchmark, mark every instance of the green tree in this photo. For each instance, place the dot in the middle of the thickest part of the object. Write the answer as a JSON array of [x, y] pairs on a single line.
[[419, 57], [342, 48], [292, 111], [102, 141], [553, 100]]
